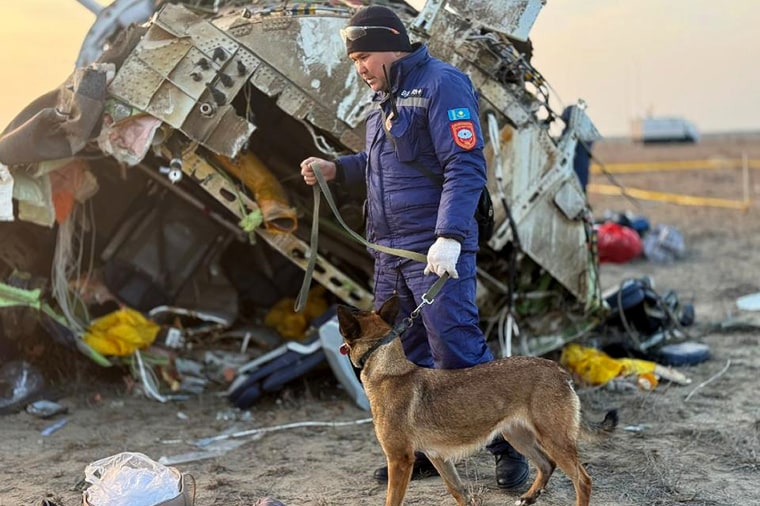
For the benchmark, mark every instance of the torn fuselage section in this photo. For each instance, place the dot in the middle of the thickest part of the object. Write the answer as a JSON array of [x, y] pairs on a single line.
[[207, 115]]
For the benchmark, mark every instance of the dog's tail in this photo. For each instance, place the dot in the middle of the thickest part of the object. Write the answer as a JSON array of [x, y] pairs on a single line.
[[597, 430]]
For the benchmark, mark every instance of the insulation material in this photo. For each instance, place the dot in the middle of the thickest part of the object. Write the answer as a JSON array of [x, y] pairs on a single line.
[[70, 184], [35, 199], [268, 193], [61, 122], [128, 140]]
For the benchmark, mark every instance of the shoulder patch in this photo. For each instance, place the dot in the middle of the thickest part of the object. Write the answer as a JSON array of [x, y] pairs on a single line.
[[463, 133], [459, 114]]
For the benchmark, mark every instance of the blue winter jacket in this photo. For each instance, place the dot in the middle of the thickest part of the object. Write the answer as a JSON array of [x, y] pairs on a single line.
[[424, 179]]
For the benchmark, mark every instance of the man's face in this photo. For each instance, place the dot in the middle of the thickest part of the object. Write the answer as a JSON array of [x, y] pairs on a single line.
[[369, 65]]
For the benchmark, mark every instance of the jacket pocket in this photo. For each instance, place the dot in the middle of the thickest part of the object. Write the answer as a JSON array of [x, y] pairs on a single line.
[[404, 138]]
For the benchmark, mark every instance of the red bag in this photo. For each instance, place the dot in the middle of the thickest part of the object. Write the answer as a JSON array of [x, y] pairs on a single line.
[[617, 243]]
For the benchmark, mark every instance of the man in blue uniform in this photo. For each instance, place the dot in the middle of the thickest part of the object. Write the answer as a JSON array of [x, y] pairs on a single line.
[[424, 170]]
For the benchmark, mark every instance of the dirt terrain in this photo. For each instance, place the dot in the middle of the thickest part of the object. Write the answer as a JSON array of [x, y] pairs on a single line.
[[694, 444]]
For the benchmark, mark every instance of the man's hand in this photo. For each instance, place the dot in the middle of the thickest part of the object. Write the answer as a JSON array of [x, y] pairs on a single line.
[[442, 257], [327, 168]]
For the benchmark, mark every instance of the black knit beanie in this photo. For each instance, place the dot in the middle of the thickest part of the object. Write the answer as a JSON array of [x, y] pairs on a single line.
[[378, 39]]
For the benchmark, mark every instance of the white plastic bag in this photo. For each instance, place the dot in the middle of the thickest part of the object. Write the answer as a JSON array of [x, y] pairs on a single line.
[[663, 244], [130, 479]]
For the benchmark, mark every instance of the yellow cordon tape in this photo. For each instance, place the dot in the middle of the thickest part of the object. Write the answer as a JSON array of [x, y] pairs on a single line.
[[685, 200], [625, 168]]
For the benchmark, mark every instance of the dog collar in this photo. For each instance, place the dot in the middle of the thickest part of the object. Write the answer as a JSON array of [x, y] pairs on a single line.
[[427, 298], [395, 332]]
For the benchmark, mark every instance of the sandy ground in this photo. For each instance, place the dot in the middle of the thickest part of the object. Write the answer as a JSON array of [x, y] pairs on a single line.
[[694, 445]]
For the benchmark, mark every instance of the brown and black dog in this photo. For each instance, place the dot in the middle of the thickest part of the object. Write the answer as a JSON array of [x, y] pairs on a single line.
[[449, 414]]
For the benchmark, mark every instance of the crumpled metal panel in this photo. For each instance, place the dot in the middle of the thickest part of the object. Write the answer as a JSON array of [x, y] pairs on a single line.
[[135, 83], [448, 33], [508, 103], [581, 125], [295, 55], [225, 133], [445, 31], [171, 105], [543, 191], [186, 72], [571, 201], [511, 17], [305, 66]]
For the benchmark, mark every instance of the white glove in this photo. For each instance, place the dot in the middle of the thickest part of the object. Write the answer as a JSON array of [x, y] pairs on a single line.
[[442, 257]]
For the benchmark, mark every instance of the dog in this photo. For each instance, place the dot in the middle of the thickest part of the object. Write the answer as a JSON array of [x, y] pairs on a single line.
[[449, 414]]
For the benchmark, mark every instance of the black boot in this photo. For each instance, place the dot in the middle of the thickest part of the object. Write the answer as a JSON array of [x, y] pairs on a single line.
[[511, 469], [423, 468]]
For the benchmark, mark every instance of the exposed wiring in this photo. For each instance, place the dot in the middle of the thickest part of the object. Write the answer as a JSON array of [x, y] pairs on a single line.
[[147, 377], [319, 141], [208, 440], [67, 265]]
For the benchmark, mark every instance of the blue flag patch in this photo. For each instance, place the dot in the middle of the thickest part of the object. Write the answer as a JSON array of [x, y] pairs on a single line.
[[459, 114]]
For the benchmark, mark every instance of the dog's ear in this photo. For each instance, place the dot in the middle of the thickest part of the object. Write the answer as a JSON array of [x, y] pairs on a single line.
[[389, 310], [347, 323]]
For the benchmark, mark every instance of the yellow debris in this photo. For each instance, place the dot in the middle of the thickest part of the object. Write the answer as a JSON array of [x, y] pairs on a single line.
[[292, 325], [673, 198], [639, 167], [595, 367], [121, 333]]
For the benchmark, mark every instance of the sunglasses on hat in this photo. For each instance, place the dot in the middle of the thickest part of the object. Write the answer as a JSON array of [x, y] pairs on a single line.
[[351, 33]]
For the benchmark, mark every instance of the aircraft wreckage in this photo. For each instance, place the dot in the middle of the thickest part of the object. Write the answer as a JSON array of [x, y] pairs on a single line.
[[175, 146]]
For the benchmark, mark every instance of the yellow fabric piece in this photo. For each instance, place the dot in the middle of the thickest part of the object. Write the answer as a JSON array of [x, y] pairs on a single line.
[[291, 325], [636, 366], [268, 192], [121, 333], [595, 367]]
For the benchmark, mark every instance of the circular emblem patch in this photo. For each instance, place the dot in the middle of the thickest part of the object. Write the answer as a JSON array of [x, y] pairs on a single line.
[[463, 133]]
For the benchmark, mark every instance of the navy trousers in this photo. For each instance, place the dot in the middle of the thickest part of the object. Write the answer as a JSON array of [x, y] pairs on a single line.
[[448, 335]]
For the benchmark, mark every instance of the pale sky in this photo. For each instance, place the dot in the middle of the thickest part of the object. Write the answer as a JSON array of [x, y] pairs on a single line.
[[699, 59]]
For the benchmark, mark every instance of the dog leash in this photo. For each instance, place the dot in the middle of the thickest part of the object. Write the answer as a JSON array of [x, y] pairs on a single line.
[[303, 294], [411, 255], [398, 329], [429, 296]]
